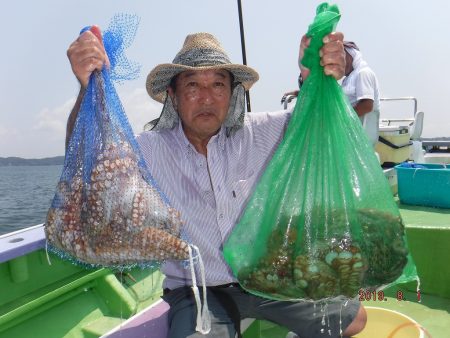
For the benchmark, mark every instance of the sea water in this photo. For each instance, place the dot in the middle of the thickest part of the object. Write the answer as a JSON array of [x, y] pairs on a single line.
[[26, 193]]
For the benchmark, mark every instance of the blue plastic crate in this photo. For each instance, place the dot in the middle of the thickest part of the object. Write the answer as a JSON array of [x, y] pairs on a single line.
[[427, 186]]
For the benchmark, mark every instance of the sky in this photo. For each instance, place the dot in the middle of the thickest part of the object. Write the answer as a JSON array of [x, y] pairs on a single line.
[[406, 43]]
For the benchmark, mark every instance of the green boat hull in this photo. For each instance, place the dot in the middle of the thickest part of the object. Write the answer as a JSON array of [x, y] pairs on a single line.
[[64, 300]]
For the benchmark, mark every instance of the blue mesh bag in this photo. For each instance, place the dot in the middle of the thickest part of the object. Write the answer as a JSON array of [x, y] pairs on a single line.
[[108, 210]]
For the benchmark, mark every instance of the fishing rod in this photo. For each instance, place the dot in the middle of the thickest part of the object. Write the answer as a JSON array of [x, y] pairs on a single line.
[[244, 57]]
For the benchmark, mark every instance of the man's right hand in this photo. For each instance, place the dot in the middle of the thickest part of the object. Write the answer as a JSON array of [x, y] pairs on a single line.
[[87, 54]]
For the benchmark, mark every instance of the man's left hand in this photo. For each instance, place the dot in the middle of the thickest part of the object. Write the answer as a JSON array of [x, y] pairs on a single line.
[[332, 55]]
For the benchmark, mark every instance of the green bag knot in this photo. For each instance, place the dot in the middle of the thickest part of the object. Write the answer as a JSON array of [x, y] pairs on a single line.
[[325, 21]]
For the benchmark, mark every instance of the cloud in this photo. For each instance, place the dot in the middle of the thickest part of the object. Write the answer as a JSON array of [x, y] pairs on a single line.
[[139, 108], [5, 133], [43, 137], [7, 136], [52, 121], [46, 135]]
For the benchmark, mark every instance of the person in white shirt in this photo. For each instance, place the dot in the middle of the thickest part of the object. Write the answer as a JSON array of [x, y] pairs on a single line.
[[361, 87]]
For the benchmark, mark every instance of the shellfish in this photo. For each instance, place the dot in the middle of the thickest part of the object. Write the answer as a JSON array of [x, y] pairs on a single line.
[[111, 215], [116, 218], [340, 264]]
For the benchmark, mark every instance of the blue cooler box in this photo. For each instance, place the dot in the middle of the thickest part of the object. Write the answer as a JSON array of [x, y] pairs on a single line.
[[427, 186]]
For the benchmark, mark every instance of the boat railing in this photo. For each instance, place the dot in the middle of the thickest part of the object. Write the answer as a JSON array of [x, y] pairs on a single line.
[[404, 98], [287, 98], [21, 242], [414, 123], [389, 121]]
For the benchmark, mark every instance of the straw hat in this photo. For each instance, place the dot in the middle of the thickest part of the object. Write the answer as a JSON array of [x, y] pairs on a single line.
[[200, 51]]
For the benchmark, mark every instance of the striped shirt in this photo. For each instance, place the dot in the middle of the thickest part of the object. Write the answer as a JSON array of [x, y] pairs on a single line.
[[211, 191]]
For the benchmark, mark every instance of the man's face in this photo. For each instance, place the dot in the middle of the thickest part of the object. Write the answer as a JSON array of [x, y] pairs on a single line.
[[202, 99]]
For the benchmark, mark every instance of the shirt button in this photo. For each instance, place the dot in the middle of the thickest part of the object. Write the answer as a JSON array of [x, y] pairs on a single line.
[[221, 216]]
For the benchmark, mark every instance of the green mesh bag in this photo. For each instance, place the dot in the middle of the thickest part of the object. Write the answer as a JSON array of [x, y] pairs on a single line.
[[322, 221]]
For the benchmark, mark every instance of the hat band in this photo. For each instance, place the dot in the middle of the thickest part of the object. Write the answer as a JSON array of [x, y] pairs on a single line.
[[201, 58]]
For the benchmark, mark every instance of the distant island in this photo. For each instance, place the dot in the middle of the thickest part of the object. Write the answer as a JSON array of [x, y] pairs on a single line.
[[18, 161], [59, 160], [435, 138]]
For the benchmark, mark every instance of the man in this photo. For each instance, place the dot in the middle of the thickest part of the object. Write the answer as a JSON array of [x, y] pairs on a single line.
[[207, 156], [361, 87]]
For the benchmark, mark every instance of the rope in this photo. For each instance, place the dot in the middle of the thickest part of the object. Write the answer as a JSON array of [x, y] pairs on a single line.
[[203, 324]]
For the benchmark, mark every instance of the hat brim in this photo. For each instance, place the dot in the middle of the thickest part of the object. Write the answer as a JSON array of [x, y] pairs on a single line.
[[159, 78]]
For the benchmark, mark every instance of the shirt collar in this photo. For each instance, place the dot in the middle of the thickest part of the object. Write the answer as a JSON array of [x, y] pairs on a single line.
[[219, 138]]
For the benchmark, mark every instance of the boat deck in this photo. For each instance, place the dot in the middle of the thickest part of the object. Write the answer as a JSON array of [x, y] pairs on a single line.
[[63, 300], [428, 233]]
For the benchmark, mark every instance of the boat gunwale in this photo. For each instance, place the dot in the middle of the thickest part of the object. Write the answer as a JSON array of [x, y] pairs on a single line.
[[21, 242]]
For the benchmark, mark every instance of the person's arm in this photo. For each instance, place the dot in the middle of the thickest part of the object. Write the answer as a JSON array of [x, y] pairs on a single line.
[[365, 90], [73, 115], [85, 54], [363, 107]]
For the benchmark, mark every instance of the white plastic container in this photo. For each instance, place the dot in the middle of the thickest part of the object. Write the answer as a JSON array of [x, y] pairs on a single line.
[[394, 145]]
